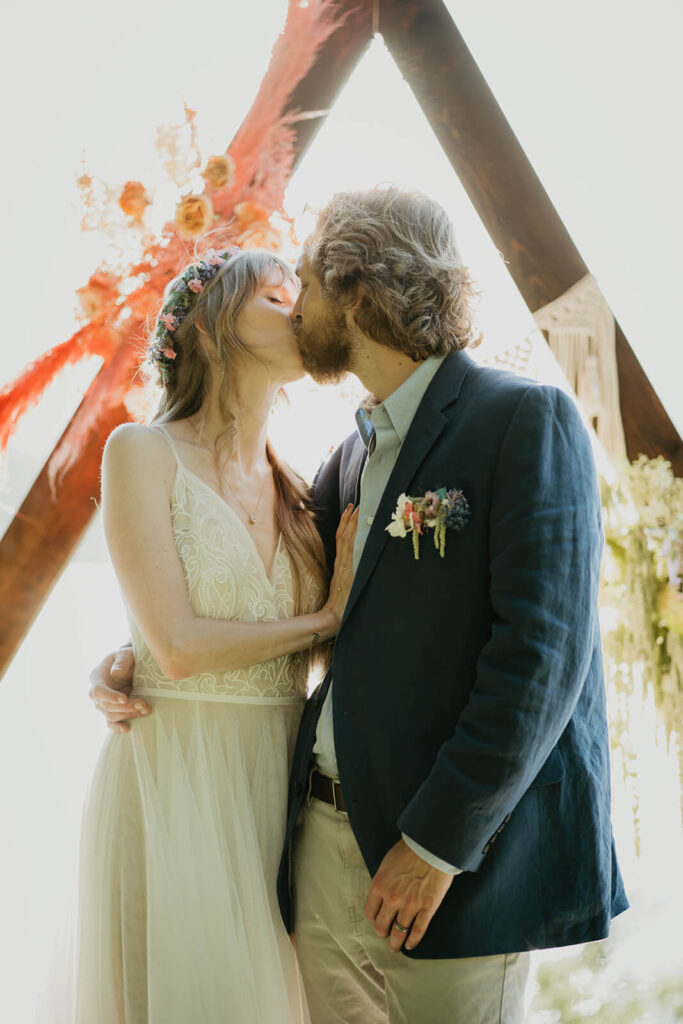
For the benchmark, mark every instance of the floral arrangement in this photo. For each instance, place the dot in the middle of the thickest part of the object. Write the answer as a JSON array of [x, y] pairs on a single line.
[[642, 605], [234, 198], [439, 510]]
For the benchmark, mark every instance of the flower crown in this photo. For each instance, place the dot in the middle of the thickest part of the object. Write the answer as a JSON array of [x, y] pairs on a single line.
[[191, 282]]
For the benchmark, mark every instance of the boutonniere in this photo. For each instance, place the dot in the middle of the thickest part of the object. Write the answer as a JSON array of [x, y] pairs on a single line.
[[439, 511]]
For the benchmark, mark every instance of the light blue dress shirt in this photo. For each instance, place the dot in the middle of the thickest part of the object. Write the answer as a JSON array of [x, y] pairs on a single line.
[[383, 428]]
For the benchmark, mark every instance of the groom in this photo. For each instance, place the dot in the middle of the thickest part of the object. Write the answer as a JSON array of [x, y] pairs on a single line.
[[450, 798]]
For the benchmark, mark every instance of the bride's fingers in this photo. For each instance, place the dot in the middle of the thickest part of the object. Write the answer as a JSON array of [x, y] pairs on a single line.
[[348, 523], [343, 522], [349, 536]]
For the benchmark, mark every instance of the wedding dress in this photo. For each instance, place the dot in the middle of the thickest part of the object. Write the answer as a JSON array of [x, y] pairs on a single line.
[[185, 818]]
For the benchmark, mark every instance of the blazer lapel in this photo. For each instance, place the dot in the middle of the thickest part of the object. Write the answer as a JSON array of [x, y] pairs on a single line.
[[351, 470], [426, 428]]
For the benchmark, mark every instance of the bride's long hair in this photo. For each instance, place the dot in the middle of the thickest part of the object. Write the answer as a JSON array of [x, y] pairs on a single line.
[[186, 387]]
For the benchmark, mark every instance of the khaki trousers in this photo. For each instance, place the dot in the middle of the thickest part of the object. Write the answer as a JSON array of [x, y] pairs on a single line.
[[350, 974]]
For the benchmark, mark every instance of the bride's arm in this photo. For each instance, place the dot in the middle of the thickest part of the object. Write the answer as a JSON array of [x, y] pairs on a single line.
[[137, 477]]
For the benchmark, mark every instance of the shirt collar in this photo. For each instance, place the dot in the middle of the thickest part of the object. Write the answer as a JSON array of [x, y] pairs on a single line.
[[365, 425], [402, 404]]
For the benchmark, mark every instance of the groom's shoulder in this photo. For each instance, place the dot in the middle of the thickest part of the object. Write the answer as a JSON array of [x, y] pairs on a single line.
[[485, 382], [496, 395]]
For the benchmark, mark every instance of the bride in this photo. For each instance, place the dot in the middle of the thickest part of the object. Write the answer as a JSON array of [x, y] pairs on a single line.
[[223, 574]]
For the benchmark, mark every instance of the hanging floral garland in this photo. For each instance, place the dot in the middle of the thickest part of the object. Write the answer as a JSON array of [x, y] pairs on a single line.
[[642, 603]]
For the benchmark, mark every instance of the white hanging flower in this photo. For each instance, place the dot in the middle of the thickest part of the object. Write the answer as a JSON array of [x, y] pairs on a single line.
[[397, 526]]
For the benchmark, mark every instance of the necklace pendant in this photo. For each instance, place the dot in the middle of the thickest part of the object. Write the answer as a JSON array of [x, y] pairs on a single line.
[[252, 520]]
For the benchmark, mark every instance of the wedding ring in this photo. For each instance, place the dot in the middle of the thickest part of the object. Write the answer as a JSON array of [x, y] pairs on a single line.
[[400, 928]]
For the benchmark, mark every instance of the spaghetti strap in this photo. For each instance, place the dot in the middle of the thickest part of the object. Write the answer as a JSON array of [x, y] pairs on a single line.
[[162, 430]]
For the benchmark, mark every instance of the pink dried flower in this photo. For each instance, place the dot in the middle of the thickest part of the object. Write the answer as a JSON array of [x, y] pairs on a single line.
[[170, 353], [169, 321], [434, 502], [195, 285], [213, 258]]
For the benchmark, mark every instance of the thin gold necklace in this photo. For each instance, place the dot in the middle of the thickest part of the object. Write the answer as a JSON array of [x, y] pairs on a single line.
[[251, 516]]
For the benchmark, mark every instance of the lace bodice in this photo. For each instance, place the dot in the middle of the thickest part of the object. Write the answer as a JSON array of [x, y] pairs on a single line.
[[226, 579]]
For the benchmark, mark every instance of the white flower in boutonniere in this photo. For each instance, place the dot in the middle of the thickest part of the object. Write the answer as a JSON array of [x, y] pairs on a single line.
[[438, 510]]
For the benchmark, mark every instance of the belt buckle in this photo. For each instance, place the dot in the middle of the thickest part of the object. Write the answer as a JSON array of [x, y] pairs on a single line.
[[335, 783]]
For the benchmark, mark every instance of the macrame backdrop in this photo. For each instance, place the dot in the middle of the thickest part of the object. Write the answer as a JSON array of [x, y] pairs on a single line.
[[580, 331]]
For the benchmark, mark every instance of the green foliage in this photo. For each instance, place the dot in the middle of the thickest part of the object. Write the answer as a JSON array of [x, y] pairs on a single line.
[[642, 632], [585, 988], [642, 598]]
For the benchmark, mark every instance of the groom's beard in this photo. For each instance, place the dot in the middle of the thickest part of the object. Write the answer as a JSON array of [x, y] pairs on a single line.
[[326, 347]]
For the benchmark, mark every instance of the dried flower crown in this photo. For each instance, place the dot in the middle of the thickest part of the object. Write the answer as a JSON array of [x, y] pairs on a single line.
[[190, 283]]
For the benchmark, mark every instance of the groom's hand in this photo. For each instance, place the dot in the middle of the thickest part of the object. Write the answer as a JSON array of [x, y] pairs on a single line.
[[405, 891], [110, 685]]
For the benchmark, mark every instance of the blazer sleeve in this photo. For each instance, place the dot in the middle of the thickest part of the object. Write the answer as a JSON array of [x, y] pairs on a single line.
[[545, 551]]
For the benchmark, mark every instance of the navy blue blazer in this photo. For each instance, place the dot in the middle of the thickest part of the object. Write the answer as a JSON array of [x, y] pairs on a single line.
[[469, 698]]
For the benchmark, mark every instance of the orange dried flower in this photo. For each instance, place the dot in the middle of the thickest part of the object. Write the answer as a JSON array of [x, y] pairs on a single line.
[[259, 235], [99, 295], [247, 213], [133, 200], [193, 216], [219, 171]]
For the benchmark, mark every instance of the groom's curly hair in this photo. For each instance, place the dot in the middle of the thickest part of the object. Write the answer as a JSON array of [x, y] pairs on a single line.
[[395, 250]]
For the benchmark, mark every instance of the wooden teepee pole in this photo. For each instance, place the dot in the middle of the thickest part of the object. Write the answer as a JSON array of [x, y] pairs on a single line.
[[42, 536], [507, 193]]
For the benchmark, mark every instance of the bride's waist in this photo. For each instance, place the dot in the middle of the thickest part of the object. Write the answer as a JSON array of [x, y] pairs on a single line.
[[221, 697], [278, 679]]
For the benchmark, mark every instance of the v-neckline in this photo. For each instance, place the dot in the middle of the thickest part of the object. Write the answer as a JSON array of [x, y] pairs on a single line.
[[221, 499]]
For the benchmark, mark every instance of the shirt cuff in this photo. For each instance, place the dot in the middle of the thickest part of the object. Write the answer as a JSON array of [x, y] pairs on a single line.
[[430, 858]]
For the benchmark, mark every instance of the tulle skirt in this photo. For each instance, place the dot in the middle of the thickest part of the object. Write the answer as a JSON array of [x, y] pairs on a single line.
[[182, 836]]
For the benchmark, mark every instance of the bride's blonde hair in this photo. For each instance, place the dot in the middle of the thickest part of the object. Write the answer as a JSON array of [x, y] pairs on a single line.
[[185, 387]]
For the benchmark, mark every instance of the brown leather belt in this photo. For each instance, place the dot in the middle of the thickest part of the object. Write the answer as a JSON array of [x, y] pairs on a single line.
[[322, 787]]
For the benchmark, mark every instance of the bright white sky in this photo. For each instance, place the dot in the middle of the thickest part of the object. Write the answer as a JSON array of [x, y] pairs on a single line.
[[593, 90]]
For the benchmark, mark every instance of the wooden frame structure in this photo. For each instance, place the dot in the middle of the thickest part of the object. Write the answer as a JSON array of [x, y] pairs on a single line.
[[504, 189]]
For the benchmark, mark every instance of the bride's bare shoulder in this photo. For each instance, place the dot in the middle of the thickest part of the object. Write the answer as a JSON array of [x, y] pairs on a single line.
[[134, 446]]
